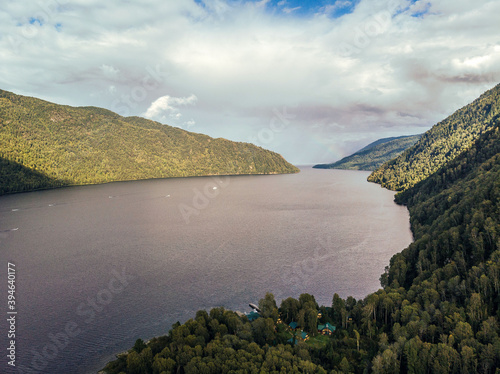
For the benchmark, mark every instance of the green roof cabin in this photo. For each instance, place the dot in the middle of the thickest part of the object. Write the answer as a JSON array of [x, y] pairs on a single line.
[[326, 329]]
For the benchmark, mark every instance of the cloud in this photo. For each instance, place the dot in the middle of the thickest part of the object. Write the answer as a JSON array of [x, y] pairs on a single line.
[[109, 71], [337, 6], [381, 68], [420, 8], [291, 10], [167, 108]]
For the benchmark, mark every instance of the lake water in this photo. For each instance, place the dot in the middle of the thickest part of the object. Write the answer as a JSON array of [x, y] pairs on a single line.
[[99, 266]]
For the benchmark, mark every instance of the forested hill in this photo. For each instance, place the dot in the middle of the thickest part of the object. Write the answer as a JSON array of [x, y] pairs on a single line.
[[47, 145], [442, 292], [374, 154], [455, 219], [442, 143]]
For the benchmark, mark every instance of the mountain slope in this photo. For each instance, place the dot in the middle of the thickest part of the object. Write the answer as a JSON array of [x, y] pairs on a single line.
[[374, 154], [65, 145], [463, 195], [447, 282], [442, 143]]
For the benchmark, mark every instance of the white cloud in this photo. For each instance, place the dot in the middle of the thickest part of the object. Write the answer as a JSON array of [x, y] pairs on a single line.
[[378, 70], [167, 108], [331, 8], [291, 10]]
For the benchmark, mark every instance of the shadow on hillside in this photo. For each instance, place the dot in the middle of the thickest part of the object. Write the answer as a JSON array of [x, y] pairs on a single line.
[[15, 177]]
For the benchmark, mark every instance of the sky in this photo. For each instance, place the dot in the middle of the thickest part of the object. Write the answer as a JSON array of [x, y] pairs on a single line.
[[311, 80]]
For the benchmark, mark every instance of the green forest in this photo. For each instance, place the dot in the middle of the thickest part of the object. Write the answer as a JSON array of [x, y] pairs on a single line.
[[374, 154], [45, 145], [441, 144], [437, 310]]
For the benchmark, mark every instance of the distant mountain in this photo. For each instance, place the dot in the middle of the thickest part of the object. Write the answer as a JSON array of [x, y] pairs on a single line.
[[445, 141], [46, 145], [374, 154]]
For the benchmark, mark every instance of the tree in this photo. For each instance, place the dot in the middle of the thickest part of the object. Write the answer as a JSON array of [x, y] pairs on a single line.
[[263, 330], [469, 361], [344, 366], [476, 308], [311, 321], [414, 362], [135, 363], [289, 309], [356, 333], [338, 309], [139, 345], [307, 301], [268, 307]]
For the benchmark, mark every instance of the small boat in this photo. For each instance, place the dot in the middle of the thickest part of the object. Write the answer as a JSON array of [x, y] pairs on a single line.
[[255, 307]]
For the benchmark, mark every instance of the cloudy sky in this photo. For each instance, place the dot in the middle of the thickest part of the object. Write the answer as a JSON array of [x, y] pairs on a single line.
[[312, 80]]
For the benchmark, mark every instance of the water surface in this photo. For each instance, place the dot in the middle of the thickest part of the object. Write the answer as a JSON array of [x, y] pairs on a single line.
[[100, 266]]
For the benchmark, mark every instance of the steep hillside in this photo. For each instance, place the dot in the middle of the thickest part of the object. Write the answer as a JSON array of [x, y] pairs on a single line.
[[448, 281], [445, 141], [455, 213], [47, 145], [374, 155]]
